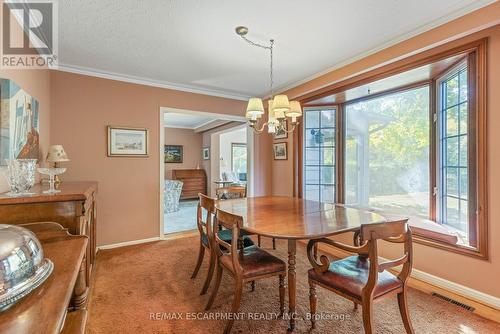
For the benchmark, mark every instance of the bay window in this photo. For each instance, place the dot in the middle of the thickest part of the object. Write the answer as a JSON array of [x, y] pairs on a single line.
[[415, 149]]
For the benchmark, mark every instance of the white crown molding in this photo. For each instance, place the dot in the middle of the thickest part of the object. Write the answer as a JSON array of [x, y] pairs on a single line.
[[434, 24], [179, 127], [147, 82], [128, 243]]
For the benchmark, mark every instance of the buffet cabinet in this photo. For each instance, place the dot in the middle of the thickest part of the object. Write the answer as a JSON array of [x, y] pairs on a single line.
[[74, 208], [194, 182]]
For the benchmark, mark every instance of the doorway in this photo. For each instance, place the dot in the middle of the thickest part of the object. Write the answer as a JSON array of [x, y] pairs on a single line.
[[193, 145]]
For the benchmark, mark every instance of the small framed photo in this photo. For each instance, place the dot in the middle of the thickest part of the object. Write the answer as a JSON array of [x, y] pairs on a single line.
[[206, 153], [281, 131], [127, 142], [280, 151], [173, 154]]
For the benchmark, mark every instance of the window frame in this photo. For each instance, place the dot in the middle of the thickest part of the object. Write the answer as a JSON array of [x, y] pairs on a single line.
[[303, 129], [476, 52], [438, 127]]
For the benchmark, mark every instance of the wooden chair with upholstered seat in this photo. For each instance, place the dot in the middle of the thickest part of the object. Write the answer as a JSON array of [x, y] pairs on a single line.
[[362, 278], [204, 227], [232, 192], [243, 264]]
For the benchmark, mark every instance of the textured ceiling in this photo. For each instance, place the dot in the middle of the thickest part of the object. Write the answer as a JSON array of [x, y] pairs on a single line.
[[191, 44]]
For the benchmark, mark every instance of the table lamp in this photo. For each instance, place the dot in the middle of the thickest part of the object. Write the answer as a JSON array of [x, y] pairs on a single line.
[[55, 155]]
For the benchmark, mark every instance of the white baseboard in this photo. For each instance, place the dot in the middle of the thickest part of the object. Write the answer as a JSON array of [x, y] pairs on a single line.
[[458, 289], [128, 243]]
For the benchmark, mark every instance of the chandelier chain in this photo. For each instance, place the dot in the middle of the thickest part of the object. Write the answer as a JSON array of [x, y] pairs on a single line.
[[270, 48]]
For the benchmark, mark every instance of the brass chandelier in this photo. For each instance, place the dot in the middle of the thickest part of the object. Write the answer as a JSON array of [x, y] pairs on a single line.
[[279, 107]]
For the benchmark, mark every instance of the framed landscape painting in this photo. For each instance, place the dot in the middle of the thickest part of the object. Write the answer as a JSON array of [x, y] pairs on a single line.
[[127, 142], [206, 153], [173, 154], [280, 151], [281, 131]]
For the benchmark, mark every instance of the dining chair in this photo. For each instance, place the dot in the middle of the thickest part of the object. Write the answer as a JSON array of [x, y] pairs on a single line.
[[363, 277], [243, 264], [204, 226], [231, 192]]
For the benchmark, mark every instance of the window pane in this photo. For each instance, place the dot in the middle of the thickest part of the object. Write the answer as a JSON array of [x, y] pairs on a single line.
[[313, 138], [327, 156], [464, 183], [312, 156], [329, 137], [312, 119], [452, 212], [312, 192], [387, 152], [351, 169], [239, 162], [328, 194], [464, 116], [463, 85], [328, 118], [463, 151], [312, 175], [452, 181], [452, 121], [327, 175], [452, 92], [464, 216], [452, 151]]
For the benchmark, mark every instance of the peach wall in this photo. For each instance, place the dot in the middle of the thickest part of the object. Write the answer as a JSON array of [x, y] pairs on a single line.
[[82, 107], [470, 272], [283, 170], [191, 144]]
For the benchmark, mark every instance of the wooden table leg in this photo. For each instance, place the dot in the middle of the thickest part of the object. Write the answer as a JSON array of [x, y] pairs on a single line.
[[292, 285]]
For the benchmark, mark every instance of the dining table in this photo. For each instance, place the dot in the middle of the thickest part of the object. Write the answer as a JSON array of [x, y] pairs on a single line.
[[293, 219]]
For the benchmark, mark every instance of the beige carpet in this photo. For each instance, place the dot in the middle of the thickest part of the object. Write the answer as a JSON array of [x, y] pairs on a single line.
[[145, 288]]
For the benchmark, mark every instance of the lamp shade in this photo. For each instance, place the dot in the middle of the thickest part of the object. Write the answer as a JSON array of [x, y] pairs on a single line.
[[255, 108], [295, 109], [281, 104], [56, 153]]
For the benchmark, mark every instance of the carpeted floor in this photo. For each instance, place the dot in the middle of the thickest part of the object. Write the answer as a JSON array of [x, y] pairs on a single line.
[[145, 288]]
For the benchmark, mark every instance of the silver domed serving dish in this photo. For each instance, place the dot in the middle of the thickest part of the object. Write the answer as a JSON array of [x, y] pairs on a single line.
[[23, 266]]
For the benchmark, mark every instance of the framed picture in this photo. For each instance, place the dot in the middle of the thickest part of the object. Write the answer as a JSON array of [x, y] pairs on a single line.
[[173, 154], [281, 131], [206, 153], [19, 123], [127, 142], [280, 151]]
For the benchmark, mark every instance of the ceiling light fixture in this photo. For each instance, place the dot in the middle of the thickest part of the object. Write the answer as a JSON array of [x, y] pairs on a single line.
[[279, 107]]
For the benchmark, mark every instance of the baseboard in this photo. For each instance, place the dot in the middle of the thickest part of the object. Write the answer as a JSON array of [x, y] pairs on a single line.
[[484, 305], [128, 243]]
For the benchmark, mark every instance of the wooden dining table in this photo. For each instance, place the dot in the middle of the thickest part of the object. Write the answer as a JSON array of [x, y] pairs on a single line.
[[293, 219]]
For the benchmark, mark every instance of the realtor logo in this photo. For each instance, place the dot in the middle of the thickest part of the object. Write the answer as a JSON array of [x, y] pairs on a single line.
[[29, 35]]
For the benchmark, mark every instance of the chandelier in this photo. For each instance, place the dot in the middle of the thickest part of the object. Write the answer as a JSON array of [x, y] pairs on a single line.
[[279, 107]]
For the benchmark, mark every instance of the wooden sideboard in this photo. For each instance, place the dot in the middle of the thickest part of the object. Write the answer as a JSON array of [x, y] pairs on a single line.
[[194, 182], [46, 309], [74, 208]]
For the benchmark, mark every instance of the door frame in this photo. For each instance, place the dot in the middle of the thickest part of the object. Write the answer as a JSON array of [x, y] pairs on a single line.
[[161, 139]]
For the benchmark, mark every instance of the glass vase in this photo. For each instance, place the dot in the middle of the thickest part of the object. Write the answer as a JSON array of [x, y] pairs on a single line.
[[20, 175]]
